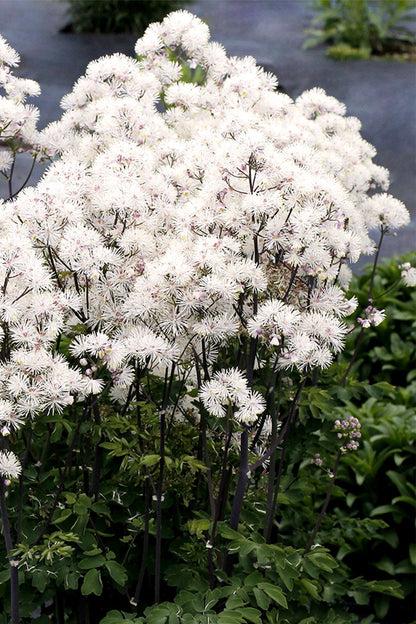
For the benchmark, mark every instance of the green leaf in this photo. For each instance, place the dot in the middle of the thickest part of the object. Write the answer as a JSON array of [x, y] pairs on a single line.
[[92, 583], [235, 601], [113, 617], [251, 615], [118, 617], [390, 588], [117, 572], [92, 552], [262, 600], [83, 504], [247, 548], [197, 526], [62, 516], [405, 567], [381, 604], [275, 593], [310, 587], [350, 499], [101, 509], [252, 579], [360, 596], [386, 565], [40, 580], [288, 573], [230, 534], [150, 460], [96, 561], [382, 509], [71, 580], [322, 560], [230, 617]]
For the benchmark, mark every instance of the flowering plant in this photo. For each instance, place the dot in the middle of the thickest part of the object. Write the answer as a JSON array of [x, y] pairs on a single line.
[[182, 265]]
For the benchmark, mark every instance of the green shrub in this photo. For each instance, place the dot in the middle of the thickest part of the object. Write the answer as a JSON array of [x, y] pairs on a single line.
[[117, 16], [378, 483], [359, 28]]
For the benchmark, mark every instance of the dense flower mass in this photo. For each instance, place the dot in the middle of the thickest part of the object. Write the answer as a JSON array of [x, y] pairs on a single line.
[[179, 217], [170, 293]]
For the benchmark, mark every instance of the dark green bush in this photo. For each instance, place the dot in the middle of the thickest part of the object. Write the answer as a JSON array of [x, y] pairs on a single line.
[[118, 16], [379, 480]]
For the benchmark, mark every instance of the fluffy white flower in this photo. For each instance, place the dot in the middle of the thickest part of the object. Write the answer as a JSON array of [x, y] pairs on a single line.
[[8, 416], [254, 404], [7, 54], [408, 274], [10, 466], [6, 159], [385, 211], [372, 316]]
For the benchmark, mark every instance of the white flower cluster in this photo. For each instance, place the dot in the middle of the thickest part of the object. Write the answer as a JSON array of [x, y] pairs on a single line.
[[408, 274], [230, 388], [17, 120], [180, 216], [372, 316]]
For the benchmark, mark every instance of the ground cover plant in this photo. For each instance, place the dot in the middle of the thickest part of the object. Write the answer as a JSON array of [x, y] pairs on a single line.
[[363, 28], [180, 406]]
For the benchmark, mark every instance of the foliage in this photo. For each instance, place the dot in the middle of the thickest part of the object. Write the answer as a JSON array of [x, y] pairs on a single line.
[[361, 28], [91, 548], [380, 482], [117, 16], [389, 349]]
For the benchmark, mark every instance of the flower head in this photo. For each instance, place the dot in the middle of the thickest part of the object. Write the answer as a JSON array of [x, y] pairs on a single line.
[[10, 467]]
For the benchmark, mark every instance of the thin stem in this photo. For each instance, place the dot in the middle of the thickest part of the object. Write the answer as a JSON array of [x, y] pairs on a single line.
[[275, 494], [283, 431], [14, 578], [373, 273], [271, 498], [369, 298], [145, 549], [207, 462], [219, 503], [67, 466], [98, 456], [11, 176], [353, 357], [243, 474], [389, 289], [20, 503], [292, 279], [27, 178], [59, 607], [325, 504], [158, 550]]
